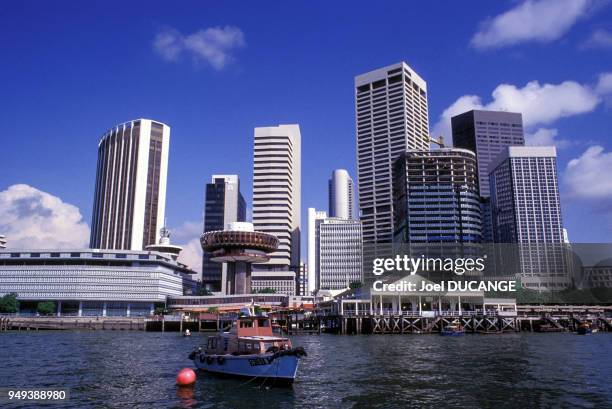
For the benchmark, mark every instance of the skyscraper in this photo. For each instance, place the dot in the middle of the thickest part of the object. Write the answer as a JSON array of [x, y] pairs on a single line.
[[276, 193], [335, 251], [224, 204], [130, 195], [436, 197], [2, 241], [487, 133], [526, 210], [391, 117], [341, 196]]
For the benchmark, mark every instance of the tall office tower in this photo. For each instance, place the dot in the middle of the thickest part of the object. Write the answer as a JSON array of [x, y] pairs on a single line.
[[314, 219], [276, 193], [487, 133], [341, 196], [436, 197], [224, 204], [335, 251], [2, 241], [526, 210], [391, 117], [130, 196]]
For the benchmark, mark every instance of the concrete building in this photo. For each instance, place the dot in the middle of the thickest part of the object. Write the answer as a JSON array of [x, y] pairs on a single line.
[[335, 251], [224, 204], [276, 193], [281, 282], [301, 281], [487, 133], [86, 282], [341, 195], [526, 210], [391, 117], [436, 197], [239, 246], [130, 194]]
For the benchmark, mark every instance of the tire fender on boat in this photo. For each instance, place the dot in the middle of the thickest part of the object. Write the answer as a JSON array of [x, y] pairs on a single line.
[[209, 360], [220, 360]]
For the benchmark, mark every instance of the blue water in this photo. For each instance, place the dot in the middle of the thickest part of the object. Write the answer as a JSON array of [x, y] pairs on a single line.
[[116, 369]]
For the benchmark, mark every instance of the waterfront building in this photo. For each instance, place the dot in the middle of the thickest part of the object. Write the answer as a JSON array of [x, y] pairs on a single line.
[[279, 282], [130, 192], [2, 241], [526, 211], [487, 133], [239, 246], [341, 195], [276, 193], [224, 204], [598, 275], [436, 197], [301, 281], [391, 117], [335, 251], [90, 282]]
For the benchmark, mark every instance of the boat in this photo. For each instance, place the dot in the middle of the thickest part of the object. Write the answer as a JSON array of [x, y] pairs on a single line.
[[187, 333], [250, 350], [584, 329], [452, 330]]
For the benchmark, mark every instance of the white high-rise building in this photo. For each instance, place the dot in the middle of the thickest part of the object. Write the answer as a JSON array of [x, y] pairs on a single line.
[[130, 195], [391, 117], [2, 241], [335, 254], [276, 193], [341, 195]]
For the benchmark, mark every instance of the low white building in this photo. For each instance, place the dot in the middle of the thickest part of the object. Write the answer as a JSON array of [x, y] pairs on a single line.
[[86, 282]]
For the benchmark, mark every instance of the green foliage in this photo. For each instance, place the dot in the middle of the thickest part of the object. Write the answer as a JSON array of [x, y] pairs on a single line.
[[9, 303], [45, 307], [355, 284], [212, 310], [266, 290]]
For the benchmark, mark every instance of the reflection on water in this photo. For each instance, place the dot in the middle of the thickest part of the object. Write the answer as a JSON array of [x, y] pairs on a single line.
[[136, 369]]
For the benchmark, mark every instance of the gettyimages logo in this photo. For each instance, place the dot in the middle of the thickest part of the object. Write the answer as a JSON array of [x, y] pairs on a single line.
[[413, 266]]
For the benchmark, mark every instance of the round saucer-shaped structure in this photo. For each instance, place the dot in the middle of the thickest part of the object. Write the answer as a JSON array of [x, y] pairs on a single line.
[[233, 245]]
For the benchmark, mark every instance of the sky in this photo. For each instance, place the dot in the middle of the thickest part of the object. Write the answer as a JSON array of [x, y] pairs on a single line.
[[213, 71]]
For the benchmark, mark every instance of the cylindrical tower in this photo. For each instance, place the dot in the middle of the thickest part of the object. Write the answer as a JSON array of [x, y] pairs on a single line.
[[341, 195]]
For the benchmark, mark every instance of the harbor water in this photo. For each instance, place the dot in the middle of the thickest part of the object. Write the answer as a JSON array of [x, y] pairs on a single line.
[[130, 369]]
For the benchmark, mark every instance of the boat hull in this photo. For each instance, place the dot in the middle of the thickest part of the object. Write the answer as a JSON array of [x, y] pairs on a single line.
[[281, 369]]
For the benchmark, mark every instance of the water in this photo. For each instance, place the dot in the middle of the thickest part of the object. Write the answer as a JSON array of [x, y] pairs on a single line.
[[111, 369]]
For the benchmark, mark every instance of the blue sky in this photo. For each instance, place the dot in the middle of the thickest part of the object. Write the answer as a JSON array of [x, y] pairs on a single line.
[[213, 71]]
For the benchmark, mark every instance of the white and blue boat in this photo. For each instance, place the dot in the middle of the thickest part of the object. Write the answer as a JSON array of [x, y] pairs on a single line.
[[250, 350]]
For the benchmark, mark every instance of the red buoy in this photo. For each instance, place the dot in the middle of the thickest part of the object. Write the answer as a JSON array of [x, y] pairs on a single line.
[[185, 377]]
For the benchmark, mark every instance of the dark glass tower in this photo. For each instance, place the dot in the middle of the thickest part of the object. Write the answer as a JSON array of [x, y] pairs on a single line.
[[224, 204]]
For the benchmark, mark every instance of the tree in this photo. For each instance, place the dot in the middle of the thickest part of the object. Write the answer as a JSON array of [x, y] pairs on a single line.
[[267, 290], [355, 284], [9, 303], [45, 307]]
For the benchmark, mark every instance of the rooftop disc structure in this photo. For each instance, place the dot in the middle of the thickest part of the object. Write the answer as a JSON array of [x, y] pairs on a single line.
[[240, 246]]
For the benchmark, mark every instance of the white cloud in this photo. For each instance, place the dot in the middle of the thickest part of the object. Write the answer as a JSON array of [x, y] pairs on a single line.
[[532, 20], [586, 177], [186, 231], [31, 218], [604, 84], [545, 137], [540, 104], [192, 254], [213, 45], [599, 39]]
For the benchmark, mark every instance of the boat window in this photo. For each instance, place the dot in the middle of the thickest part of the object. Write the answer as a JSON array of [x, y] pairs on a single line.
[[248, 346], [256, 347], [263, 323], [246, 324]]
